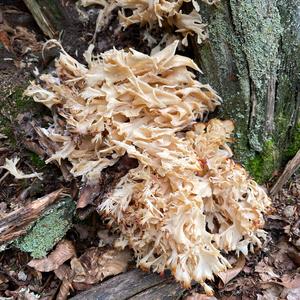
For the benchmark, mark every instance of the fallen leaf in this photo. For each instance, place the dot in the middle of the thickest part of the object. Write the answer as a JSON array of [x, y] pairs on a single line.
[[281, 259], [294, 255], [88, 194], [3, 279], [291, 282], [15, 223], [96, 264], [229, 274], [265, 271], [63, 271], [24, 41], [237, 283], [196, 296], [64, 290], [5, 41], [272, 293], [63, 252]]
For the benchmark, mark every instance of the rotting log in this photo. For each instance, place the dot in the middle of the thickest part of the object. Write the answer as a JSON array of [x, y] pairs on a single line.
[[135, 285], [289, 170], [252, 59], [47, 15], [16, 223], [61, 20]]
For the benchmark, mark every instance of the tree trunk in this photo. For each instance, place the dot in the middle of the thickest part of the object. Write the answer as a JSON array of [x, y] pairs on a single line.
[[252, 58]]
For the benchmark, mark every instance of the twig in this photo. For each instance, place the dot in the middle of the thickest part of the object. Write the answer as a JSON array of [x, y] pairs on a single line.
[[289, 170], [4, 176], [43, 20]]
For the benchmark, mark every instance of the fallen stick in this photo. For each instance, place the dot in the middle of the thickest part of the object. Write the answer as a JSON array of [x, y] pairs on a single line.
[[44, 15], [16, 223], [134, 284], [289, 170]]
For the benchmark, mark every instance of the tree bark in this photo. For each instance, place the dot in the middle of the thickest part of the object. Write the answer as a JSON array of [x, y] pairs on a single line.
[[252, 59]]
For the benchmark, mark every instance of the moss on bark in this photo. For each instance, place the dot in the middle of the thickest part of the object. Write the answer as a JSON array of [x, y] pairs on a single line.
[[250, 60], [48, 230]]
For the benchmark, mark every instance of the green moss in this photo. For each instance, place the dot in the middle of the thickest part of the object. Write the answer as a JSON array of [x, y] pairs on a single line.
[[48, 230], [24, 103], [223, 63], [238, 63], [13, 104], [294, 145], [7, 130], [16, 102], [36, 160], [262, 165]]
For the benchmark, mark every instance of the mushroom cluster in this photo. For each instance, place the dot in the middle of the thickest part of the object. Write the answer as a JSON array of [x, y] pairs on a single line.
[[164, 13], [187, 203]]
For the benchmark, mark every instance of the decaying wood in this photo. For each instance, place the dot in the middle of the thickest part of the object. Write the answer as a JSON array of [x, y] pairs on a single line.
[[289, 170], [16, 223], [134, 285], [43, 15], [165, 290]]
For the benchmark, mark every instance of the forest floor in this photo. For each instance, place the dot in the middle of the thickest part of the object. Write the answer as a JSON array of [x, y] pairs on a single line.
[[269, 273]]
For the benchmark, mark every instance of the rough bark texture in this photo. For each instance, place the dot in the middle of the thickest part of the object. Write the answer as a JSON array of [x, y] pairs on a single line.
[[136, 285], [252, 59]]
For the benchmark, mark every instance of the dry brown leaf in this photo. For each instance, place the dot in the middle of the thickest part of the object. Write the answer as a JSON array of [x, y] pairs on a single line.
[[196, 296], [88, 195], [4, 40], [25, 41], [271, 293], [64, 290], [291, 282], [95, 264], [84, 231], [15, 223], [281, 258], [81, 286], [294, 255], [63, 271], [3, 279], [265, 271], [229, 274], [63, 252]]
